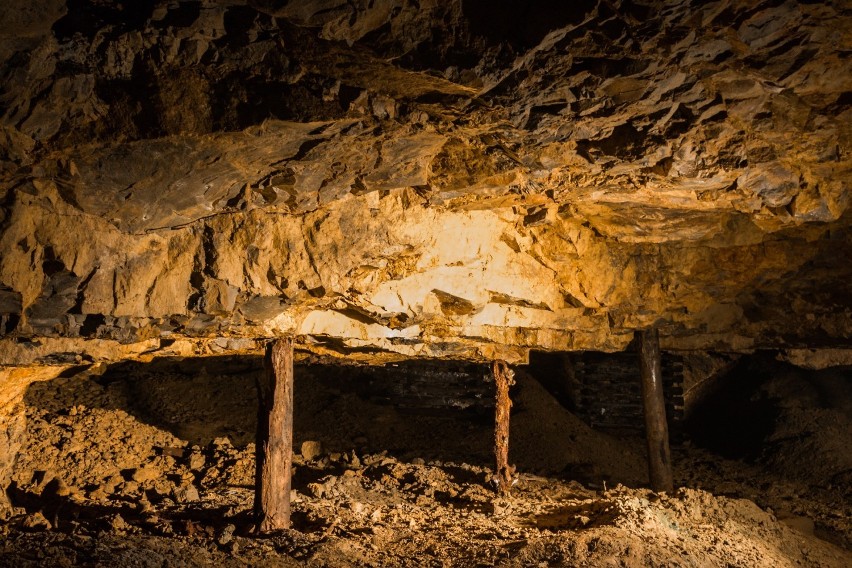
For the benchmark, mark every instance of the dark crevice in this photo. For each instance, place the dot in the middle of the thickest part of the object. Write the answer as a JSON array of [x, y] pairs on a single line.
[[238, 21], [88, 17], [81, 296], [625, 142], [607, 67], [9, 323], [181, 15], [800, 61], [50, 264], [843, 103], [347, 95], [242, 100], [208, 243], [734, 419], [306, 147], [195, 301], [523, 25], [91, 324]]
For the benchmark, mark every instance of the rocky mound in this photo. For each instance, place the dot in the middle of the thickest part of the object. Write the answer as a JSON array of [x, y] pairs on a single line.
[[103, 478]]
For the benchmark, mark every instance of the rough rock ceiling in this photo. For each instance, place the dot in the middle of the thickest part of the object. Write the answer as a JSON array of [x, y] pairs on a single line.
[[394, 178]]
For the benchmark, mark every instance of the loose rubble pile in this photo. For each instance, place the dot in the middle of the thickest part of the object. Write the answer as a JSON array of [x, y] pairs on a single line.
[[103, 478], [455, 179]]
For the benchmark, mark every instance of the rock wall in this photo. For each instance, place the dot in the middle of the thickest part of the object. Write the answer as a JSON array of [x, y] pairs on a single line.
[[13, 387], [396, 179]]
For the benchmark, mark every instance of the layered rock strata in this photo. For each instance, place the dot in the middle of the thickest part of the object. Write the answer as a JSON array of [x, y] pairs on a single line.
[[397, 179]]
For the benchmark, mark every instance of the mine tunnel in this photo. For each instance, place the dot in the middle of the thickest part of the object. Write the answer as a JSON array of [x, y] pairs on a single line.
[[165, 448], [405, 283]]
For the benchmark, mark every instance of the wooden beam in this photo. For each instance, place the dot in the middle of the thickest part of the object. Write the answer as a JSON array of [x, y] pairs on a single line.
[[504, 476], [274, 445], [656, 427]]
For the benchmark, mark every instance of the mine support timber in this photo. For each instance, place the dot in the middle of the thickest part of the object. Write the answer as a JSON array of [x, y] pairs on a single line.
[[504, 475], [274, 444], [656, 428]]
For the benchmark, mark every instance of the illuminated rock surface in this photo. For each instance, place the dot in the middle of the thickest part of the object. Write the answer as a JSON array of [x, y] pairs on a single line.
[[393, 179], [453, 179]]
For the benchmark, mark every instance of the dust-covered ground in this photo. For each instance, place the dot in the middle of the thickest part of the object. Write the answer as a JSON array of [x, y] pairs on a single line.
[[153, 465]]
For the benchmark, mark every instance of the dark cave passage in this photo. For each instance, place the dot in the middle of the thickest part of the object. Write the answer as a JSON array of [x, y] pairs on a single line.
[[734, 419]]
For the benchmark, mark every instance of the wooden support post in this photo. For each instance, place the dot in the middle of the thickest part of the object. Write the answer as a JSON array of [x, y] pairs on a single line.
[[504, 476], [656, 428], [274, 446]]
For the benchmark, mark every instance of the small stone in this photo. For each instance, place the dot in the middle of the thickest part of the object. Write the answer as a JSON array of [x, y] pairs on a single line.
[[196, 461], [128, 488], [501, 507], [354, 461], [36, 522], [118, 524], [112, 482], [311, 450], [144, 506], [64, 490], [99, 493], [381, 535], [227, 535], [221, 443], [164, 528], [418, 461], [147, 473], [186, 494], [173, 451]]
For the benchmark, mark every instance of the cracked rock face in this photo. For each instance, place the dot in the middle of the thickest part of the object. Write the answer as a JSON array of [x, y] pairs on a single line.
[[394, 179]]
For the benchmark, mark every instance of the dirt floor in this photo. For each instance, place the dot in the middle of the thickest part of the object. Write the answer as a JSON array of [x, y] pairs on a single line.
[[153, 465]]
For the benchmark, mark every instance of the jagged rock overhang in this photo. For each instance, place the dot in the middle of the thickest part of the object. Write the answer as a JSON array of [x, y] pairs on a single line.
[[621, 166], [428, 282]]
